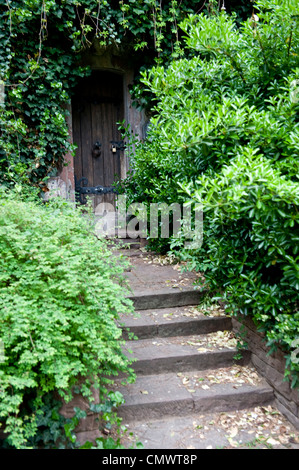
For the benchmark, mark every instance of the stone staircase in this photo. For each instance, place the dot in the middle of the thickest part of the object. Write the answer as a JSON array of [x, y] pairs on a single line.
[[187, 374]]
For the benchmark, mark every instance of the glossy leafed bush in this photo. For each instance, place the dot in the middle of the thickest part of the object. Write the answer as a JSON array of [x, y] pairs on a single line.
[[251, 251], [224, 132]]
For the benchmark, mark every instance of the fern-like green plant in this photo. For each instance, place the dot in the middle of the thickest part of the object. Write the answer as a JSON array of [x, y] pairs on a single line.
[[61, 292]]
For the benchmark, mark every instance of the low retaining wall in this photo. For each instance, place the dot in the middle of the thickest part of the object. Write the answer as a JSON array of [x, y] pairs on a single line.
[[88, 428], [271, 367]]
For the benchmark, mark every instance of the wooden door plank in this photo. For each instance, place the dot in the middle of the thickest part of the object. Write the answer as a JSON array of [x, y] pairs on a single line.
[[98, 162], [86, 138], [77, 140]]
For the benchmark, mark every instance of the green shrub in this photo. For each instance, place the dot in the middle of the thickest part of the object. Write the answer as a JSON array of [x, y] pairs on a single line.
[[60, 297], [224, 131], [226, 97], [250, 255]]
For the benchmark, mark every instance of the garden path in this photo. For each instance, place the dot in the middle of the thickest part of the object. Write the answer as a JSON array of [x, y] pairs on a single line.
[[190, 391]]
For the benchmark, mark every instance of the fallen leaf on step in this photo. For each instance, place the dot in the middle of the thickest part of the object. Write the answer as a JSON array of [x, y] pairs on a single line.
[[232, 442], [205, 387], [272, 442], [145, 392], [283, 439], [198, 426], [234, 432]]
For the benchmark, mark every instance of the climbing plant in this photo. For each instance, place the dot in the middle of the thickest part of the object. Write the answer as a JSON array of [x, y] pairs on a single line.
[[41, 44]]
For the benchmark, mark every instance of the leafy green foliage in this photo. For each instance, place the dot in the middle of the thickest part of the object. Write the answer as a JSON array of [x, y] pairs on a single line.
[[60, 294], [51, 317], [224, 132], [251, 252], [42, 44]]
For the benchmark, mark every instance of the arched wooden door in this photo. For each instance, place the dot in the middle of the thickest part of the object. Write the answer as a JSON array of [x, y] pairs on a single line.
[[97, 108]]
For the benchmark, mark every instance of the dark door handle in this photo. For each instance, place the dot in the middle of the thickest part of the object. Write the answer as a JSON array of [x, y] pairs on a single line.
[[96, 149]]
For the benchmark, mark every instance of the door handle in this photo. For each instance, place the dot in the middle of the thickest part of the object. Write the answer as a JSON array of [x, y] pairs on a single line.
[[96, 149]]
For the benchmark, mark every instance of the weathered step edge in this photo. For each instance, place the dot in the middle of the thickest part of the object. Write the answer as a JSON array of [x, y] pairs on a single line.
[[223, 400], [177, 327], [189, 362], [144, 301]]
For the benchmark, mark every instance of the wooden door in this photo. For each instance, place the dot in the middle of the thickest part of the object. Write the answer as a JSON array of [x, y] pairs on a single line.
[[97, 107]]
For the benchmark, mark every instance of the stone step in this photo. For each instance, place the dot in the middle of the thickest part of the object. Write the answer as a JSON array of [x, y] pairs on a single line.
[[183, 353], [160, 286], [127, 244], [165, 298], [186, 363], [193, 392], [173, 321], [247, 428]]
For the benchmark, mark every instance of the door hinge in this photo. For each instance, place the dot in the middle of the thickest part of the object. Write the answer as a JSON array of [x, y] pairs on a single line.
[[82, 189]]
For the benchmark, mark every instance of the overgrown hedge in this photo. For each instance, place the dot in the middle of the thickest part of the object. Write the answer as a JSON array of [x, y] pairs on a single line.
[[251, 252], [225, 132]]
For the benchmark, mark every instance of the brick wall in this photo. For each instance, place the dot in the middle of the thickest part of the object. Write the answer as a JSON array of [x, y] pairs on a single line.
[[271, 367]]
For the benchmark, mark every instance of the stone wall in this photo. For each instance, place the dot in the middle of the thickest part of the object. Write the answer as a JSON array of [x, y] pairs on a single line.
[[272, 368], [88, 428]]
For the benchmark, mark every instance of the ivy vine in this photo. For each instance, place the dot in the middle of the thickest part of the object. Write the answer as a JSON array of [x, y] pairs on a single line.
[[42, 43]]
